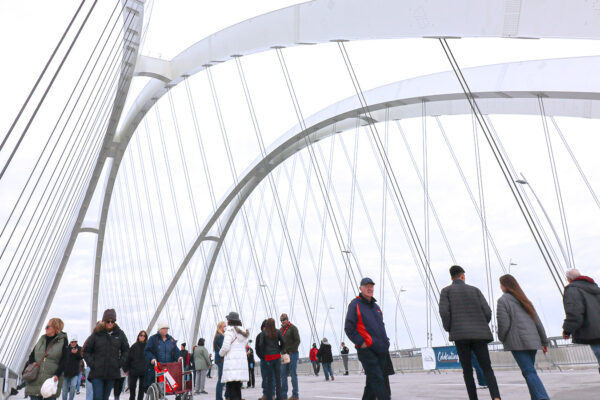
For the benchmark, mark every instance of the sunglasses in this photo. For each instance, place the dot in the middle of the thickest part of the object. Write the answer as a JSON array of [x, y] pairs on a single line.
[[47, 326], [110, 322], [142, 335]]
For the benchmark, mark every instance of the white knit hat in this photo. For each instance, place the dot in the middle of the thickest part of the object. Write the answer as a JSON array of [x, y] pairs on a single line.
[[162, 324]]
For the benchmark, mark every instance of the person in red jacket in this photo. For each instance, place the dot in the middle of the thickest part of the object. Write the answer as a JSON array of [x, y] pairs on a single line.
[[314, 360], [364, 326]]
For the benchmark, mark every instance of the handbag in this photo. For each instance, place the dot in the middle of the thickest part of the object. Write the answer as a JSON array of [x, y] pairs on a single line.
[[285, 359], [32, 370]]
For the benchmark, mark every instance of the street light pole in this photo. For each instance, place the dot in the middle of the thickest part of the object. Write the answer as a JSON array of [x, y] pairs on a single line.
[[325, 322], [263, 285], [396, 319], [562, 250]]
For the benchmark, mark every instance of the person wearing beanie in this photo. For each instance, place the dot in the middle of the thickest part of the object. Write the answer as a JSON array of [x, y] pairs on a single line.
[[161, 348], [106, 352]]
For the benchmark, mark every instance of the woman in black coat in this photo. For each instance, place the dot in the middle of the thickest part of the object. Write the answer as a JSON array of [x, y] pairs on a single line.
[[106, 351], [326, 358], [136, 366]]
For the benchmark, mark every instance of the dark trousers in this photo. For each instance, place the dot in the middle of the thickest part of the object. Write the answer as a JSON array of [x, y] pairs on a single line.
[[118, 388], [377, 383], [273, 372], [251, 379], [316, 367], [133, 382], [480, 348], [478, 370], [102, 388], [235, 390]]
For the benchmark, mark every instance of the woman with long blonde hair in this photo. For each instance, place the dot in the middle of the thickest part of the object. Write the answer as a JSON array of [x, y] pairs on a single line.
[[521, 332], [217, 344]]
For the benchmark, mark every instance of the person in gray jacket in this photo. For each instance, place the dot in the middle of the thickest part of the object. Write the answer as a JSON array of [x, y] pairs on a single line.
[[582, 309], [466, 315], [201, 365], [521, 332]]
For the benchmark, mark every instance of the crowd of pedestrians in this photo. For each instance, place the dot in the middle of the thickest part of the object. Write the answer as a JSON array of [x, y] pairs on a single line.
[[464, 311]]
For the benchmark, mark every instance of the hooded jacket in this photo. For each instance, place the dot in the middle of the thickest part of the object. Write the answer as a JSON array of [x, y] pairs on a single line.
[[516, 329], [233, 351], [106, 352], [465, 312], [364, 324], [324, 355], [582, 309]]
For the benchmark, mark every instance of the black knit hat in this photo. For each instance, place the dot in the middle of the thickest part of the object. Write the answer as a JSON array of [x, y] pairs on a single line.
[[109, 315]]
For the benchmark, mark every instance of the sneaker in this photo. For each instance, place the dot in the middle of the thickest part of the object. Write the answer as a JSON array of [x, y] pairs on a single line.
[[203, 392], [332, 378], [77, 392], [481, 387]]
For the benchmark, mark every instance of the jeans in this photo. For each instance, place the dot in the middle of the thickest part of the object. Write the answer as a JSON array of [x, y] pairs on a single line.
[[526, 361], [89, 388], [464, 349], [200, 379], [235, 390], [102, 388], [596, 350], [136, 380], [264, 373], [374, 366], [69, 387], [478, 370], [316, 367], [220, 384], [78, 382], [273, 370], [290, 369], [327, 370]]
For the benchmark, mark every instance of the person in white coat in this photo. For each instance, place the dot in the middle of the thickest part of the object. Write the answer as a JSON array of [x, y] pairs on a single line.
[[235, 364]]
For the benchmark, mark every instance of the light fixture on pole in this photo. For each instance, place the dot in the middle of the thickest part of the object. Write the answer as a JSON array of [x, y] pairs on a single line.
[[510, 264], [525, 182]]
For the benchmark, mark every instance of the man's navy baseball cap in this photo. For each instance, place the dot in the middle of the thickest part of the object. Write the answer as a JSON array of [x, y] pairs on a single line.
[[366, 281]]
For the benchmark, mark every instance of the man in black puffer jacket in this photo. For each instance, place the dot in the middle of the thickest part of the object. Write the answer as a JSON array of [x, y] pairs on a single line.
[[582, 309], [106, 353], [466, 315]]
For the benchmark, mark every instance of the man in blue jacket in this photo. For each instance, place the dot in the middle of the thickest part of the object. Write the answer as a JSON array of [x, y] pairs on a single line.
[[365, 328], [162, 348]]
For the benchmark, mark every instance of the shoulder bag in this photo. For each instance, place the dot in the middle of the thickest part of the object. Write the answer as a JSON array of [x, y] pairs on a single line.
[[32, 370]]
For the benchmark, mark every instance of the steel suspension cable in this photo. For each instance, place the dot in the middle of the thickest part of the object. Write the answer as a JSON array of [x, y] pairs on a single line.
[[557, 190], [574, 159], [510, 180], [484, 230], [314, 162], [76, 149], [469, 191], [37, 108], [37, 82], [418, 246], [57, 122]]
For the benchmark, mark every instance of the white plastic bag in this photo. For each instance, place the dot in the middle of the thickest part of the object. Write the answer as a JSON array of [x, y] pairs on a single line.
[[49, 388]]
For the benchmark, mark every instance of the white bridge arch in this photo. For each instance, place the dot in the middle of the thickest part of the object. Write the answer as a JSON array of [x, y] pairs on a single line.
[[324, 21]]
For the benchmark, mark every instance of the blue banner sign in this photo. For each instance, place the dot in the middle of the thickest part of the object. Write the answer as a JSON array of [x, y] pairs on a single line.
[[446, 358]]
